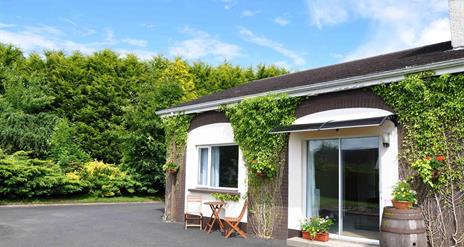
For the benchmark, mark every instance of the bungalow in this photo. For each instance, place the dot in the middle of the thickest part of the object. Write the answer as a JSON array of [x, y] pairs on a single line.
[[342, 149]]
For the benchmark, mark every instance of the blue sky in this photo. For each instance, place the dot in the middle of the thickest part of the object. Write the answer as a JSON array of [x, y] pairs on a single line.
[[297, 34]]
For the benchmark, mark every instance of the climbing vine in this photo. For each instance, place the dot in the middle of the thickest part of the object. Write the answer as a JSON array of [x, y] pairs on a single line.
[[431, 112], [176, 133], [265, 154]]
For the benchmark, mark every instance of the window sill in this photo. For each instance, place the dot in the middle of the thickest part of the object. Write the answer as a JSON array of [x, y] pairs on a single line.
[[215, 190]]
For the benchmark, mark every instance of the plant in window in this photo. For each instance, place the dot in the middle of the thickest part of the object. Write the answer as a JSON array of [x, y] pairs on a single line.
[[403, 196], [317, 228], [171, 167], [224, 197]]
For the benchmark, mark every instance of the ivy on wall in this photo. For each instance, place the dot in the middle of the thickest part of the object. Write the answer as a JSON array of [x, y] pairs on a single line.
[[252, 121], [176, 133], [431, 112]]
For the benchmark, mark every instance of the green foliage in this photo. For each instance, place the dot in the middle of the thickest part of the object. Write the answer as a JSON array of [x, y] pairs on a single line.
[[430, 109], [176, 133], [105, 180], [170, 166], [225, 197], [22, 176], [252, 121], [316, 225], [75, 108], [64, 150], [402, 191], [429, 169]]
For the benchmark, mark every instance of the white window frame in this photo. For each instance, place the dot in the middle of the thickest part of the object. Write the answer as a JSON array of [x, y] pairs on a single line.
[[208, 177]]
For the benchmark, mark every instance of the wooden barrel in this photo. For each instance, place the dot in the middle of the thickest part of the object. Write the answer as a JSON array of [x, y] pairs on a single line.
[[402, 228]]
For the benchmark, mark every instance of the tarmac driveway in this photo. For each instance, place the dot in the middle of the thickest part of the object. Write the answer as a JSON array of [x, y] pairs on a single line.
[[104, 225]]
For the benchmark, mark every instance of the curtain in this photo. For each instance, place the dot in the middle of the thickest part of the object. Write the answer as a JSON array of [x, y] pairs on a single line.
[[215, 166], [203, 166], [312, 208]]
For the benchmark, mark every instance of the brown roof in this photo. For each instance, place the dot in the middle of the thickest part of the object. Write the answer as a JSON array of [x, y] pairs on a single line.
[[398, 60]]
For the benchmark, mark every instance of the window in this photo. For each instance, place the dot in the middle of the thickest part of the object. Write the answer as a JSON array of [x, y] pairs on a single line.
[[218, 166]]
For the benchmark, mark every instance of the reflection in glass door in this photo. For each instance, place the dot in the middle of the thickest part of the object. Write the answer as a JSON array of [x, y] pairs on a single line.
[[343, 183], [360, 164], [322, 182]]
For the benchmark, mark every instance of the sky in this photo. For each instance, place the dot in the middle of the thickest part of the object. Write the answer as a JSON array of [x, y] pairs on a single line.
[[295, 34]]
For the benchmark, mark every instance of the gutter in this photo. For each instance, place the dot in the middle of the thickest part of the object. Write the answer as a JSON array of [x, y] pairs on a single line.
[[443, 67]]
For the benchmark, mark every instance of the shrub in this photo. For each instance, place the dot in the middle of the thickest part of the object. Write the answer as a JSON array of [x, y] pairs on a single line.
[[106, 180], [22, 177]]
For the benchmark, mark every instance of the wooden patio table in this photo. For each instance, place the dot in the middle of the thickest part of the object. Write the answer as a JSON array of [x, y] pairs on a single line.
[[216, 207]]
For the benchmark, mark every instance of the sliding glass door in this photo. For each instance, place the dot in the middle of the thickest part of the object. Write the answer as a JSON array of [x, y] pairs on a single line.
[[343, 183]]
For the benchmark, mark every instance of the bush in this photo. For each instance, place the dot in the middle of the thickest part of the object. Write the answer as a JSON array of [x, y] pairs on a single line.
[[106, 180], [22, 177]]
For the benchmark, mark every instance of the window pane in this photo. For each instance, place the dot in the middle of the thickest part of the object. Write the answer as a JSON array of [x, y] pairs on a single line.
[[360, 162], [322, 182], [215, 154], [203, 166], [227, 167]]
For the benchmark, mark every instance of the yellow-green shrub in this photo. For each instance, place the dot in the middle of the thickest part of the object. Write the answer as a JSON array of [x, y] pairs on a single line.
[[105, 180]]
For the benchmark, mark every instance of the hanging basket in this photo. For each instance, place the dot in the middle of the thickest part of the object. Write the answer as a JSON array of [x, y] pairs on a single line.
[[172, 171]]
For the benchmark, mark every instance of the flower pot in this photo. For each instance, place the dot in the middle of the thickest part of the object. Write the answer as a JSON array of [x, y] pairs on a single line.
[[306, 235], [401, 204], [320, 236]]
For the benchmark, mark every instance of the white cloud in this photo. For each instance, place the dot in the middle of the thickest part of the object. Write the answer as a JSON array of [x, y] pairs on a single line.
[[149, 26], [393, 24], [43, 37], [202, 44], [78, 29], [249, 13], [6, 25], [281, 21], [276, 46], [136, 42]]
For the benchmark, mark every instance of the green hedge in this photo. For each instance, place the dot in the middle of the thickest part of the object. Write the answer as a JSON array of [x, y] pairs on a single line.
[[25, 177]]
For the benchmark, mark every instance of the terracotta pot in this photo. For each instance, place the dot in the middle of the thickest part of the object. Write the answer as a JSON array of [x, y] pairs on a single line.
[[320, 236], [401, 204], [306, 235]]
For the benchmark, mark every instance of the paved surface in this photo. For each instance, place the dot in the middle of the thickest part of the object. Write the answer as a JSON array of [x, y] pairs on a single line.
[[105, 225]]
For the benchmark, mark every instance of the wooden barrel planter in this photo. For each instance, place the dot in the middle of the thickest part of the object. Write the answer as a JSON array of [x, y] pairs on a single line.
[[402, 228]]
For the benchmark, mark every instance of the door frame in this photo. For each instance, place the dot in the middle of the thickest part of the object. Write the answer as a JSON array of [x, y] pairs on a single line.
[[340, 186]]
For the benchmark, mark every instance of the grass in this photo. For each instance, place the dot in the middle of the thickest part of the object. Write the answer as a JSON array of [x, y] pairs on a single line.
[[80, 199]]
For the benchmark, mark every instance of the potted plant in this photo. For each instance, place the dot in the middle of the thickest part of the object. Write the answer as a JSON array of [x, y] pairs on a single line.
[[317, 228], [403, 196], [223, 197], [171, 167]]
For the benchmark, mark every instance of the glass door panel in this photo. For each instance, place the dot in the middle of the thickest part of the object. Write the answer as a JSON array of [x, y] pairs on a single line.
[[322, 182], [360, 197]]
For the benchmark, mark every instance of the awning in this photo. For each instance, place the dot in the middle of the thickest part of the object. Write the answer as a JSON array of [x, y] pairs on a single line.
[[329, 125]]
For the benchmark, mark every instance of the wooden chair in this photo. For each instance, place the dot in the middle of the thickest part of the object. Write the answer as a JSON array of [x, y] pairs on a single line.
[[234, 222], [193, 212]]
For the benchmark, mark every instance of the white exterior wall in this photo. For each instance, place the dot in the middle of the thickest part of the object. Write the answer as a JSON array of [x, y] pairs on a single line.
[[388, 173], [213, 134]]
